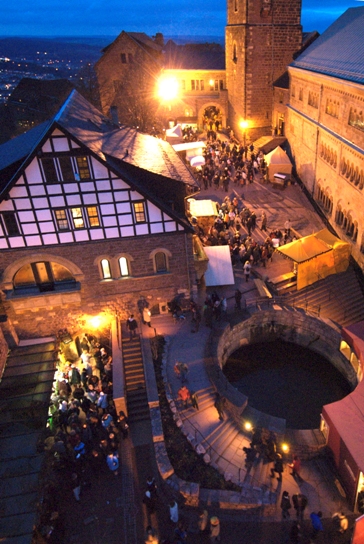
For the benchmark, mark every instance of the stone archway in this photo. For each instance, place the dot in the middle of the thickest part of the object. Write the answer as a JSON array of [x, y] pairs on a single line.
[[211, 105]]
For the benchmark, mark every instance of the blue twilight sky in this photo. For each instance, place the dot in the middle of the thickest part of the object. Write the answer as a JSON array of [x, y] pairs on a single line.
[[171, 17]]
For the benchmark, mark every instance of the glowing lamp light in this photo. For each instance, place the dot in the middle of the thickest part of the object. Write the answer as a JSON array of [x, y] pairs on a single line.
[[211, 82], [248, 426], [285, 448], [96, 322], [244, 124], [167, 88]]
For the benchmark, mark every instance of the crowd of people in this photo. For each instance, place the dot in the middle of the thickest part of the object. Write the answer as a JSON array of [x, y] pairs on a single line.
[[229, 162], [84, 428], [234, 226]]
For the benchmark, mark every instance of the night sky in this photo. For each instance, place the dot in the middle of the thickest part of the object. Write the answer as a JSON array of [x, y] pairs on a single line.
[[171, 17]]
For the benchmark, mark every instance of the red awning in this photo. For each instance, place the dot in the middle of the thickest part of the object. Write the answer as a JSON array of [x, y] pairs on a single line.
[[358, 535]]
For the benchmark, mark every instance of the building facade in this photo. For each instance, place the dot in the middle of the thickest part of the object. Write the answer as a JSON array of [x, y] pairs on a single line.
[[325, 126], [92, 220]]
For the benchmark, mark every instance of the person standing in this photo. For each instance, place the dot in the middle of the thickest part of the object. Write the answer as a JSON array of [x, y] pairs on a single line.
[[219, 405], [299, 502], [264, 222], [146, 317], [184, 395], [296, 468], [194, 400], [285, 505], [173, 512], [238, 297], [215, 529], [317, 526], [203, 519], [246, 269], [132, 325]]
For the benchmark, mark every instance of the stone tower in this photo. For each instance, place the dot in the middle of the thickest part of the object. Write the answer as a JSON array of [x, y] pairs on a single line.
[[261, 38]]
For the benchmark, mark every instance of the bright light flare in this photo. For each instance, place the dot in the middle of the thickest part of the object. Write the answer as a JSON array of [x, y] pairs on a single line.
[[97, 322], [168, 88], [244, 124], [285, 448], [248, 426]]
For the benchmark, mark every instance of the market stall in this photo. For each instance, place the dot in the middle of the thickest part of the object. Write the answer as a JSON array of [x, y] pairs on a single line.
[[277, 163], [316, 256], [219, 268]]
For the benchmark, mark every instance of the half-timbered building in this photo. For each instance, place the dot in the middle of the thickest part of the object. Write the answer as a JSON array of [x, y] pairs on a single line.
[[92, 218]]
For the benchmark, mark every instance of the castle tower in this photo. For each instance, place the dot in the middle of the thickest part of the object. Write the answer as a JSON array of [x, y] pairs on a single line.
[[261, 38]]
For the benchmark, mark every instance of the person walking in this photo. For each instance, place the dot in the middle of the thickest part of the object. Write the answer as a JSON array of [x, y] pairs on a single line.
[[278, 467], [285, 505], [132, 325], [264, 222]]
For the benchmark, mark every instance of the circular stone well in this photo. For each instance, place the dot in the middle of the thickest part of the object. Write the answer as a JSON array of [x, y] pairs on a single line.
[[310, 365], [286, 381]]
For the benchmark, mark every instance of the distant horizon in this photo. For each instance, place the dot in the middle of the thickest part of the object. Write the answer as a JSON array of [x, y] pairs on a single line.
[[46, 21]]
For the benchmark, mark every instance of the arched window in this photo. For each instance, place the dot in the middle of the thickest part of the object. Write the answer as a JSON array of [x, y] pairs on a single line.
[[43, 276], [235, 56], [105, 269], [124, 267], [160, 260]]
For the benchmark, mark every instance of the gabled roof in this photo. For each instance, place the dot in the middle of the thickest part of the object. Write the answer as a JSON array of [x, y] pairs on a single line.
[[194, 57], [149, 163], [339, 51]]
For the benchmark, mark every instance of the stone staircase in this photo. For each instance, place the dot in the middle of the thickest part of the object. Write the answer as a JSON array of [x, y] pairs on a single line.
[[135, 386], [220, 443], [338, 297]]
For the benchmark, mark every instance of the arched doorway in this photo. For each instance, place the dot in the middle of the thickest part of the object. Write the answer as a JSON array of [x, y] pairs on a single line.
[[212, 118]]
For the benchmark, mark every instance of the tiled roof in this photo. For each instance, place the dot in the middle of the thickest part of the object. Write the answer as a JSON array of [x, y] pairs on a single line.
[[97, 132], [339, 51], [19, 148]]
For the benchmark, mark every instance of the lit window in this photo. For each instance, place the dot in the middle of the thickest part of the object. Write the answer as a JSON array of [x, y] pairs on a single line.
[[43, 275], [105, 268], [11, 224], [93, 216], [83, 169], [160, 262], [61, 218], [124, 266], [78, 221], [139, 212]]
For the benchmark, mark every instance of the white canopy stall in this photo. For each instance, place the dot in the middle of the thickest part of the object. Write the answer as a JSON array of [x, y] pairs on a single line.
[[219, 268]]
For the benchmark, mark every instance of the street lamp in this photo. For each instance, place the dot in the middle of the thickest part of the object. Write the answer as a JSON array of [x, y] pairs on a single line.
[[167, 88], [244, 125]]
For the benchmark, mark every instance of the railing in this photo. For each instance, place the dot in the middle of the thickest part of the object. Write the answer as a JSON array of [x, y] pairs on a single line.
[[209, 449], [260, 302]]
